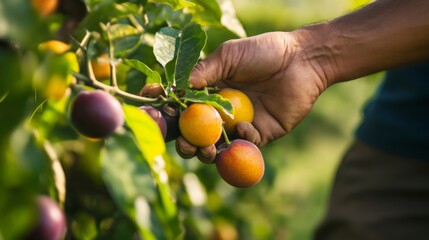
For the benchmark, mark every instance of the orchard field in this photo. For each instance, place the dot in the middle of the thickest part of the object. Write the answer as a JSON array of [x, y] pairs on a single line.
[[74, 131]]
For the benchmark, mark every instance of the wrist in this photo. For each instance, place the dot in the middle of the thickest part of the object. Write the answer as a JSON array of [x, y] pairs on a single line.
[[318, 49], [368, 40]]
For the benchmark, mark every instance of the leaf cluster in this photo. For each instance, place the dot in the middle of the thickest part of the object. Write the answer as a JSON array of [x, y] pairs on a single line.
[[128, 184]]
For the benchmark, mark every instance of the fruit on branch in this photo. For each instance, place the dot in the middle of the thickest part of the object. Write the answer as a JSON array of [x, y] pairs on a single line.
[[171, 116], [240, 163], [50, 222], [96, 114], [156, 115], [101, 67], [45, 7], [200, 124], [243, 109]]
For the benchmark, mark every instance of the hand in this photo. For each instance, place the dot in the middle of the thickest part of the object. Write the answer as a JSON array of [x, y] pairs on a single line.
[[276, 73], [284, 73]]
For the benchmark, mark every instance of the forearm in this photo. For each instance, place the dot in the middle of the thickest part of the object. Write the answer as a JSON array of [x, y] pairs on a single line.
[[382, 35]]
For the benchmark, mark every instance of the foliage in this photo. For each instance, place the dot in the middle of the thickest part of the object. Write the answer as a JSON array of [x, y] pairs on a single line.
[[126, 185]]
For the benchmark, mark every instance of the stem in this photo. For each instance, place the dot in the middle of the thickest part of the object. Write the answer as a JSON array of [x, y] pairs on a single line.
[[113, 88], [206, 90], [225, 136], [135, 23], [117, 91], [113, 79], [82, 44], [176, 99]]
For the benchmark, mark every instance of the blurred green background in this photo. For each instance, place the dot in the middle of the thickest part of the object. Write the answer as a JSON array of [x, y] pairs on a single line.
[[301, 165]]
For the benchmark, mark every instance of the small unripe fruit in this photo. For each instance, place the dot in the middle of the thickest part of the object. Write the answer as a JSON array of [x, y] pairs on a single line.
[[156, 115], [96, 114], [50, 222], [243, 109], [240, 164], [200, 124]]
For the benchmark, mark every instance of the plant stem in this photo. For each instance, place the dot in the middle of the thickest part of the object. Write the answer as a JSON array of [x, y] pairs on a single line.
[[82, 45], [112, 63], [176, 99], [117, 91], [225, 136]]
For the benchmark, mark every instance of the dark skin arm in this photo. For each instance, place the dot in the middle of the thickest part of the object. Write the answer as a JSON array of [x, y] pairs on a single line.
[[284, 73]]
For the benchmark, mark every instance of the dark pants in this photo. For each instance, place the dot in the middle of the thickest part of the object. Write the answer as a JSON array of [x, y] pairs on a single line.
[[377, 196]]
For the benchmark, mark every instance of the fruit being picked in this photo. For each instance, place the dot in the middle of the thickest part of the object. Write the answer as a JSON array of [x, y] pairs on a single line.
[[200, 124], [96, 114], [243, 109], [240, 163]]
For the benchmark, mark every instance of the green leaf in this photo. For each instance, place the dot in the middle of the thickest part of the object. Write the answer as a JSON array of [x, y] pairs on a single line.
[[152, 76], [165, 43], [192, 41], [148, 140], [207, 12], [54, 111], [216, 100], [229, 18], [184, 46], [152, 147], [128, 178], [106, 11], [124, 37], [176, 4], [217, 13], [166, 208], [148, 135], [122, 30]]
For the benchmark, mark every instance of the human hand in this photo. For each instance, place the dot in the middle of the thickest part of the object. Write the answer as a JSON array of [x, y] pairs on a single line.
[[275, 72]]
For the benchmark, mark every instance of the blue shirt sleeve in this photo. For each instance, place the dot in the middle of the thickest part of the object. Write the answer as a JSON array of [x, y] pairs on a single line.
[[396, 120]]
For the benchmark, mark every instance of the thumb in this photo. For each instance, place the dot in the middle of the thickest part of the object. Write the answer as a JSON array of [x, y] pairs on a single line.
[[215, 67], [206, 72], [247, 131]]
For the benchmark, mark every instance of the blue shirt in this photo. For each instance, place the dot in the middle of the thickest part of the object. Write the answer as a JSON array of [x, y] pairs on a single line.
[[397, 119]]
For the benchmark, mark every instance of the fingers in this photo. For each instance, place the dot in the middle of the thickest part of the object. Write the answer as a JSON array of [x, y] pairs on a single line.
[[187, 151], [247, 131], [207, 154], [217, 66], [205, 73], [184, 148]]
